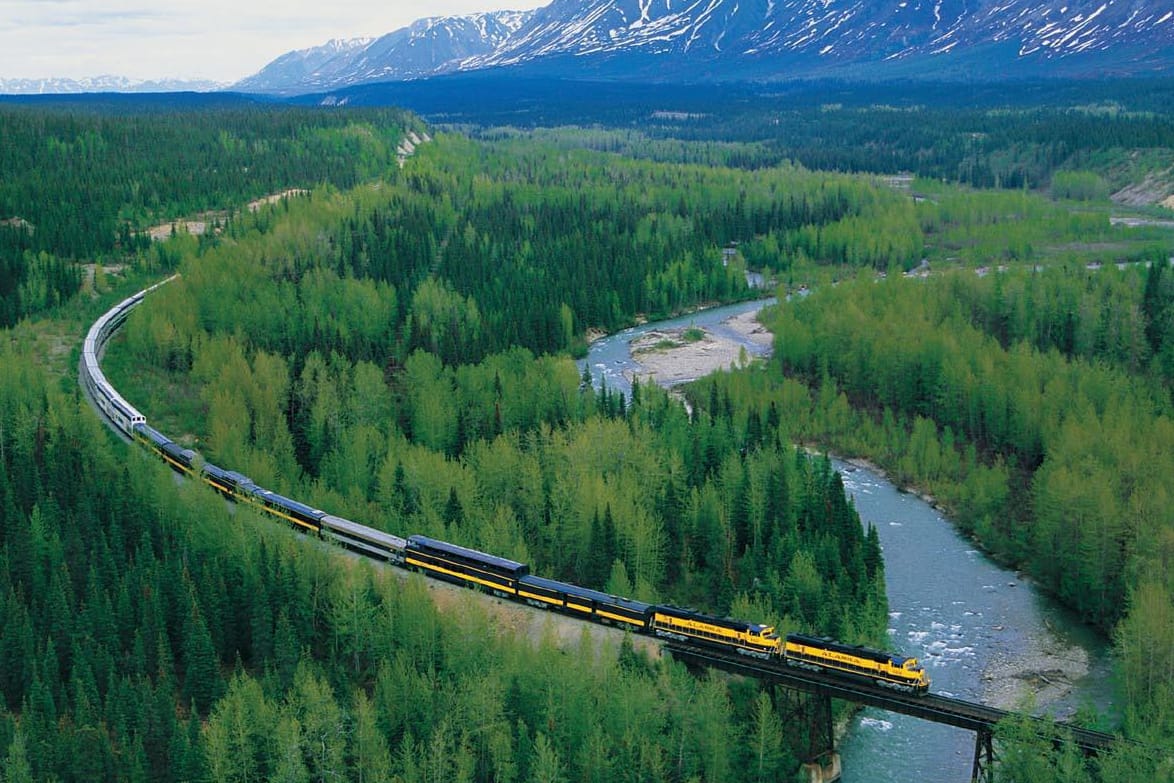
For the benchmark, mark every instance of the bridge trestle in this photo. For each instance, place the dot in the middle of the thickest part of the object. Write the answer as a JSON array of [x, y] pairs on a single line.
[[984, 757], [808, 718]]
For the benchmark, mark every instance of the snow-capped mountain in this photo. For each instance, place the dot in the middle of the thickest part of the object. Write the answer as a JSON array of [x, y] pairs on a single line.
[[302, 65], [102, 84], [425, 48], [816, 34], [764, 39]]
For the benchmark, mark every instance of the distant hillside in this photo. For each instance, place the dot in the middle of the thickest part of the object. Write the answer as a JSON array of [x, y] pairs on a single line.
[[99, 84]]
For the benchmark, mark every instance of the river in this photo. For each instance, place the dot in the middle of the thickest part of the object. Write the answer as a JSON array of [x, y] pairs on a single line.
[[983, 632], [610, 358]]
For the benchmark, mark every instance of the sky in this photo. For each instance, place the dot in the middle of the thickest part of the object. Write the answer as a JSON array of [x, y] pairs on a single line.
[[219, 40]]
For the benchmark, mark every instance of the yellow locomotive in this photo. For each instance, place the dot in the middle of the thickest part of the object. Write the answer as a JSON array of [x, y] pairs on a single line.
[[884, 668], [686, 625]]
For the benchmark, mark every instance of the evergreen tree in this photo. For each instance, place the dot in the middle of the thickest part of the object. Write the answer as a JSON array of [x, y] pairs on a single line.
[[202, 685]]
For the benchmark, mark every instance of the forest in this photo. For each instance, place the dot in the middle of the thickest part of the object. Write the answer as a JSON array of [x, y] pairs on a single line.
[[1001, 135], [397, 347], [82, 184]]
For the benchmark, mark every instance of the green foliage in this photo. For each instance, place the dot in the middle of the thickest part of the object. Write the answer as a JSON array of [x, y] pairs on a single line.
[[79, 175], [396, 354], [1003, 136], [339, 670], [391, 406], [1026, 754], [1031, 405], [963, 360], [1079, 186], [84, 184]]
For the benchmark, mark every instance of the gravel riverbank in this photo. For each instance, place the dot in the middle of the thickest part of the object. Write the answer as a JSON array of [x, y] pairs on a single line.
[[672, 356]]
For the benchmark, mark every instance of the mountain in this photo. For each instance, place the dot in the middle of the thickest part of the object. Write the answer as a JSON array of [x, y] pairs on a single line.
[[425, 48], [103, 84], [301, 66], [773, 38], [725, 40]]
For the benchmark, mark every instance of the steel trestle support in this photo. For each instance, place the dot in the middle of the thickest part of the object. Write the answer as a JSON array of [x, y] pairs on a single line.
[[984, 758], [811, 713]]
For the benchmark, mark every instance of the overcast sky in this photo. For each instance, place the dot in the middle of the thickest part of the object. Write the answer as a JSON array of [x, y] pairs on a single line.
[[222, 40]]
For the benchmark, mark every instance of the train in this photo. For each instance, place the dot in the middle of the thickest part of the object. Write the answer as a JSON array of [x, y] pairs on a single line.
[[493, 574]]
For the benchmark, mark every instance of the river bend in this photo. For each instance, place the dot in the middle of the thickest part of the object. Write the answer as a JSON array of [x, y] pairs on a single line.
[[984, 633]]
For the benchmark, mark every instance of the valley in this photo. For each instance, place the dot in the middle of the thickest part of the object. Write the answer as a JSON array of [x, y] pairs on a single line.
[[406, 343]]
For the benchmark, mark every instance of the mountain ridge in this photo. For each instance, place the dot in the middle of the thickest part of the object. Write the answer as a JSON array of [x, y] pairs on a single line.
[[104, 84], [427, 47], [729, 40]]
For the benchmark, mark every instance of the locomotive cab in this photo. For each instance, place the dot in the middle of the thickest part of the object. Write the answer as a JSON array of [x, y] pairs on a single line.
[[764, 639], [921, 683], [912, 673], [767, 637]]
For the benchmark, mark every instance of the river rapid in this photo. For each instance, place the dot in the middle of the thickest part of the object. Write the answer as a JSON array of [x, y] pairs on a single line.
[[983, 632]]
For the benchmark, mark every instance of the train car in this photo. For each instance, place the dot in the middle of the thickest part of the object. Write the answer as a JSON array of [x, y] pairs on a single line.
[[464, 566], [150, 437], [118, 410], [229, 483], [124, 415], [177, 457], [687, 625], [180, 459], [365, 540], [582, 602], [296, 513], [884, 668]]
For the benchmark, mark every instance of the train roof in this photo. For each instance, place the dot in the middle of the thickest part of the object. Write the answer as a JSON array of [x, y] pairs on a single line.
[[216, 471], [290, 503], [725, 622], [859, 650], [340, 524], [156, 437], [178, 451], [348, 526], [585, 593], [424, 543]]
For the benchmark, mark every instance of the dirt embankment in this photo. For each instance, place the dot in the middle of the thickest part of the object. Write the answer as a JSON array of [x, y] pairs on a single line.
[[200, 223], [1154, 188]]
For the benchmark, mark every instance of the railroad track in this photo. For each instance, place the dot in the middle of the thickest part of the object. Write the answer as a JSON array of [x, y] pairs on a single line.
[[960, 713]]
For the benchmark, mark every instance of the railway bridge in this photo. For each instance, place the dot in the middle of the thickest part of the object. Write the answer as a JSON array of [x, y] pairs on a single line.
[[820, 688]]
